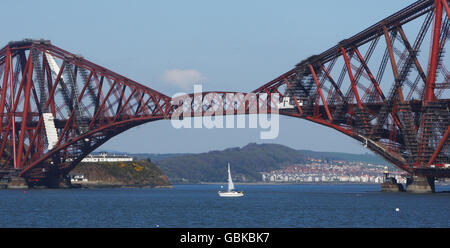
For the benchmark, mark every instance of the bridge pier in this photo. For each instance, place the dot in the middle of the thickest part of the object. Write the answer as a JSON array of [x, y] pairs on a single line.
[[420, 184], [13, 182], [56, 181], [390, 185], [10, 179], [53, 179]]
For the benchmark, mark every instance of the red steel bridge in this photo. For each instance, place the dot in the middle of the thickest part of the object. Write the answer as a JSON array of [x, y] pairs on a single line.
[[387, 87]]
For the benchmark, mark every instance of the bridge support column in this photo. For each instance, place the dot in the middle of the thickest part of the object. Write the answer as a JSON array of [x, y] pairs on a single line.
[[17, 183], [420, 184], [58, 181], [53, 180], [391, 185], [13, 182]]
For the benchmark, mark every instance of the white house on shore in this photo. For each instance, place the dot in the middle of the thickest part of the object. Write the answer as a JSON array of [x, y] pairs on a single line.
[[78, 178], [104, 157]]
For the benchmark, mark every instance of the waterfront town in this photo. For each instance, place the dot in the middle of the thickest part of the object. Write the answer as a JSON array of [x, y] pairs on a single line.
[[332, 171]]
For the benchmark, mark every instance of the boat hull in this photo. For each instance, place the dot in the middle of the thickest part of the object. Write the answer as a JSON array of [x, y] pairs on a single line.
[[231, 194]]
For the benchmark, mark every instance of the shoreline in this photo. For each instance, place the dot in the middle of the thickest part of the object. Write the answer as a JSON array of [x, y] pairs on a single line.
[[292, 183], [101, 185], [295, 183]]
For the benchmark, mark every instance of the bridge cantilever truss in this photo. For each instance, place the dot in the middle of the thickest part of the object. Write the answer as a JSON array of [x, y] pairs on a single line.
[[386, 86], [345, 87], [59, 107]]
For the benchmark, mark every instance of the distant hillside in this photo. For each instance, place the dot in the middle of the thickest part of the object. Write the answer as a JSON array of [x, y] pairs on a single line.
[[246, 162], [365, 158], [157, 156]]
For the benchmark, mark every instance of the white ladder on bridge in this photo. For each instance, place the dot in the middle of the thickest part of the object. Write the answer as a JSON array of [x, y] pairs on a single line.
[[50, 130]]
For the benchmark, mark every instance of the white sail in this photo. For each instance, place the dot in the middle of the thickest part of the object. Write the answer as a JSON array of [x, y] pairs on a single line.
[[230, 181], [230, 192]]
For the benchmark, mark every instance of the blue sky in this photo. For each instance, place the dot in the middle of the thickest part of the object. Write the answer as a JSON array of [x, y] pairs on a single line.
[[226, 45]]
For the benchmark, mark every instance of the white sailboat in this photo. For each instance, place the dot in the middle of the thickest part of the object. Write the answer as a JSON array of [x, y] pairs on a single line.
[[230, 192]]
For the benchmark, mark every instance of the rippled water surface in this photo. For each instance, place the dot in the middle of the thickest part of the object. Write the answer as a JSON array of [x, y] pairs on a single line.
[[200, 206]]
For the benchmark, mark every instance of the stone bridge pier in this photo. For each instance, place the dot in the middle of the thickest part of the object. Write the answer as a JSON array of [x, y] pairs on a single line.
[[420, 184]]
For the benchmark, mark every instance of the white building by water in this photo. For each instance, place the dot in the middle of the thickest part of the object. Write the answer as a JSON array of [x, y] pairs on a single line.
[[104, 157], [78, 178]]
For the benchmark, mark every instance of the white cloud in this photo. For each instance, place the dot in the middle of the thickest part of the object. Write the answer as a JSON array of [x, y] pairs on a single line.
[[183, 78]]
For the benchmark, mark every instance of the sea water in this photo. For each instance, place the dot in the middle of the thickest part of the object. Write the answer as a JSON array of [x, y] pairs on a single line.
[[199, 206]]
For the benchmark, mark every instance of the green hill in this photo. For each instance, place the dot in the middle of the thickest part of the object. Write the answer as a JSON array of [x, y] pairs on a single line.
[[365, 158], [246, 162]]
